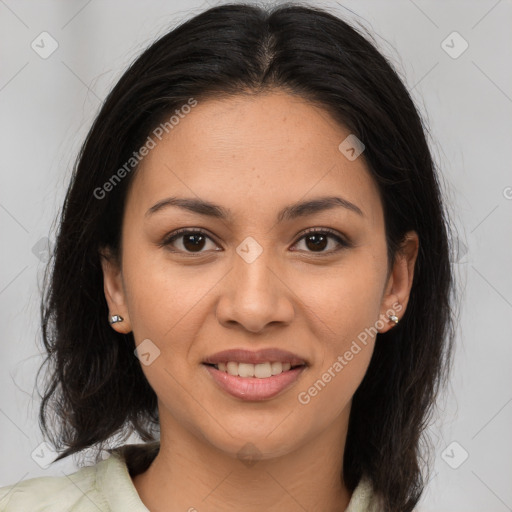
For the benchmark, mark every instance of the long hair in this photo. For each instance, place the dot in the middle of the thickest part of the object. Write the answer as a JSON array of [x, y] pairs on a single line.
[[95, 388]]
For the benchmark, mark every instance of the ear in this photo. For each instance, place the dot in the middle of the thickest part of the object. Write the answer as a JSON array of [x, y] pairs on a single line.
[[399, 284], [114, 291]]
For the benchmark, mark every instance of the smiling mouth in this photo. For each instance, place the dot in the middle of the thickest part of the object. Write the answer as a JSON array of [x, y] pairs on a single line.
[[260, 370]]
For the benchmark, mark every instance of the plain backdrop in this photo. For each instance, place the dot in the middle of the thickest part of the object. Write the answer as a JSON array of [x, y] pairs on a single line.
[[455, 57]]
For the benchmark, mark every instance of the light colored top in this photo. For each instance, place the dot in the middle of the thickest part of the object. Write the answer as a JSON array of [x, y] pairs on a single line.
[[108, 487]]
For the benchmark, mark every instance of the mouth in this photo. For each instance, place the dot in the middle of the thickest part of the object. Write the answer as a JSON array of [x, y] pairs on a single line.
[[255, 375], [255, 384]]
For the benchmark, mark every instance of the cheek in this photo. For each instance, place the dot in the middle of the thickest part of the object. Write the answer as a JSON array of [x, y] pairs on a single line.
[[343, 310], [346, 315], [159, 294], [346, 299]]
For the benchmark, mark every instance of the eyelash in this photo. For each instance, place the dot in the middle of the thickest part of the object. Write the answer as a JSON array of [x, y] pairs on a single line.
[[343, 243]]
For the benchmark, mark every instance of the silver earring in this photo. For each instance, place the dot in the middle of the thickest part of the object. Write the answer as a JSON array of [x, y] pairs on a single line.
[[393, 318], [115, 318]]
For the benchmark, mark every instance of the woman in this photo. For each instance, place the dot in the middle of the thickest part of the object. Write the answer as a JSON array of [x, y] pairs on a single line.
[[251, 273]]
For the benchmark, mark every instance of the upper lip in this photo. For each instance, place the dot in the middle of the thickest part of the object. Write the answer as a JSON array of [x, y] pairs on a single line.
[[241, 355]]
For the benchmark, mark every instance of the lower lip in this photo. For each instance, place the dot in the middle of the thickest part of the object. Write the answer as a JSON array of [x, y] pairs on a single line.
[[253, 388]]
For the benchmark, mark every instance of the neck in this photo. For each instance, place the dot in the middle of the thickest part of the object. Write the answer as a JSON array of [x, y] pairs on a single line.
[[191, 474]]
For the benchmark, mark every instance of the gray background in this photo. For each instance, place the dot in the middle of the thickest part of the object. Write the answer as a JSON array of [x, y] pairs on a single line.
[[48, 104]]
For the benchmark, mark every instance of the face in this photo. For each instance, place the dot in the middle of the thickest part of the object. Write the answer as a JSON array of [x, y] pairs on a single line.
[[256, 278]]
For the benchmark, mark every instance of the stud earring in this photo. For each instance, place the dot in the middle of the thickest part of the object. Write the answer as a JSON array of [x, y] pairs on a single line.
[[115, 318], [393, 318]]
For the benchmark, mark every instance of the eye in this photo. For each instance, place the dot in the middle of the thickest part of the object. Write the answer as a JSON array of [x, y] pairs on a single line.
[[317, 239], [192, 241]]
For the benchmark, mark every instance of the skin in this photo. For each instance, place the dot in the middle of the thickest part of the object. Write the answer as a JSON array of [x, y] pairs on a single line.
[[253, 155]]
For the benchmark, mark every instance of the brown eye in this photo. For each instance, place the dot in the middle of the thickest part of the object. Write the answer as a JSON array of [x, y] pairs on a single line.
[[316, 240], [191, 241]]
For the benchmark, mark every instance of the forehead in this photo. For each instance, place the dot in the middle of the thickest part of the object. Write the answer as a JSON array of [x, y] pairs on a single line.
[[253, 152]]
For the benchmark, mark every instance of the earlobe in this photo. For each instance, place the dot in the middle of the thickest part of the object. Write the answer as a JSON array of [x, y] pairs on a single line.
[[114, 293], [398, 287]]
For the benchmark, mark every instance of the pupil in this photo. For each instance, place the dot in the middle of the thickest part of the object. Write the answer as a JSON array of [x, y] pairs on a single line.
[[194, 245], [316, 245]]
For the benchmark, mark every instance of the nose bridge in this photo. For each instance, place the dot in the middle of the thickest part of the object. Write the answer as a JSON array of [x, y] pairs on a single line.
[[256, 296], [253, 266]]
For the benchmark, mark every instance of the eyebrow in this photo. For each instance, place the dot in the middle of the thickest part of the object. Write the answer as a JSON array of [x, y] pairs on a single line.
[[290, 212]]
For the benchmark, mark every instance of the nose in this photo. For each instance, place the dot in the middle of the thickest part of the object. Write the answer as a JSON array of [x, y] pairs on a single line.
[[255, 295]]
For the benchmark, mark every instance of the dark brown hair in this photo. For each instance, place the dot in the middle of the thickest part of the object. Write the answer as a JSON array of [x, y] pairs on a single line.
[[95, 388]]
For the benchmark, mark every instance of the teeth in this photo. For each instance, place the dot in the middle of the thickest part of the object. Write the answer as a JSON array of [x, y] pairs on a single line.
[[261, 370]]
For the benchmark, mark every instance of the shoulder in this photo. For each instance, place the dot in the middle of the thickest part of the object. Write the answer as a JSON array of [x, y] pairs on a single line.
[[68, 493], [103, 487], [363, 498]]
